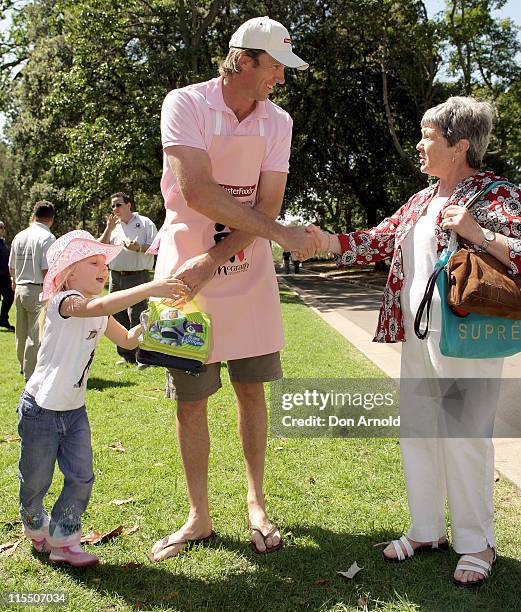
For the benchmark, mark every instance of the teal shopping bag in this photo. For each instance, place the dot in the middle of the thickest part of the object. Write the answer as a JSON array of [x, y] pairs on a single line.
[[466, 335]]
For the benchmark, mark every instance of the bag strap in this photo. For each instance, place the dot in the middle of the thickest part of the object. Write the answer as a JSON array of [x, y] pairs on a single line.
[[183, 306], [426, 304], [453, 238], [426, 301], [483, 192], [192, 302]]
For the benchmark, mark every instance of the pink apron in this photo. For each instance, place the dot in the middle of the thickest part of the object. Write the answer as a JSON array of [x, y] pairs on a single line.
[[242, 297]]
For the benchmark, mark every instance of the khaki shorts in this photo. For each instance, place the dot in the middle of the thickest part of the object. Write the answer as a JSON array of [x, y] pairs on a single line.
[[186, 388]]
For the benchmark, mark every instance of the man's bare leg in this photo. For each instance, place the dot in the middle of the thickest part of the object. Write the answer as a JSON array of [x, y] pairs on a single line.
[[194, 444], [253, 431]]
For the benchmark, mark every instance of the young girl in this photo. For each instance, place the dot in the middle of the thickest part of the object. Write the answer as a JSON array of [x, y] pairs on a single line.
[[53, 423]]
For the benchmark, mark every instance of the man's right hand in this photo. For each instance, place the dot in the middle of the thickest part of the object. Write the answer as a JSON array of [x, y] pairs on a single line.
[[300, 240], [321, 237]]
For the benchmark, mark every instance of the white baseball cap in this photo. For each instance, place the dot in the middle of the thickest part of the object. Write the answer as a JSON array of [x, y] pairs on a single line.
[[270, 36]]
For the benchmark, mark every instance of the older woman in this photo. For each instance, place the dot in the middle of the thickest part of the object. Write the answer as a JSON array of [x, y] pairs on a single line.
[[455, 136]]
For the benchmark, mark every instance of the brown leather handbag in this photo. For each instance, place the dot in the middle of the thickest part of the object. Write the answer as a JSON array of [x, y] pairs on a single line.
[[478, 282]]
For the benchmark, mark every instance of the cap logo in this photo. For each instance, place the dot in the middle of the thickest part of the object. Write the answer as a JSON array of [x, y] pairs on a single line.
[[287, 40]]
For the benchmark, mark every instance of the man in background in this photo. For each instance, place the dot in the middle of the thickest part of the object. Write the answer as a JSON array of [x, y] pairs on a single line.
[[131, 267], [6, 284], [28, 265]]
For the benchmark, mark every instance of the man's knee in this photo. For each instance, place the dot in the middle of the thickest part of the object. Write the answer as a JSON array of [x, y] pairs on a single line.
[[249, 394], [189, 411]]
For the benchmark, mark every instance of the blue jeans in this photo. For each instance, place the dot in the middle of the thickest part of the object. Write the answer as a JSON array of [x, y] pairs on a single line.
[[49, 436]]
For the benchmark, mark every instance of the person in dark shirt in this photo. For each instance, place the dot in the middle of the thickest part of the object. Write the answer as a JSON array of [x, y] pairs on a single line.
[[286, 256], [6, 286]]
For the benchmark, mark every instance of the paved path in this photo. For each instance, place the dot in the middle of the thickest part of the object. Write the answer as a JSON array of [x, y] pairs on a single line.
[[351, 307]]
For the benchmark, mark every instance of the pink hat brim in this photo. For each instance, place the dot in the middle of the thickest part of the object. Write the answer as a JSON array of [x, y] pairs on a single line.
[[76, 250]]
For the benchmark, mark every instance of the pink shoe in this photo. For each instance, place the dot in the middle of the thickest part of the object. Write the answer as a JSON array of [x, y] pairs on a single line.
[[39, 538], [73, 555], [41, 546]]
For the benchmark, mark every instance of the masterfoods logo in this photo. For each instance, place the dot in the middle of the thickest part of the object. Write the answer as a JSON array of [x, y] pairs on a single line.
[[239, 191]]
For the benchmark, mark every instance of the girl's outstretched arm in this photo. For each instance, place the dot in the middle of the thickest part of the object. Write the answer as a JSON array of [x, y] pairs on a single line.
[[77, 306], [126, 338]]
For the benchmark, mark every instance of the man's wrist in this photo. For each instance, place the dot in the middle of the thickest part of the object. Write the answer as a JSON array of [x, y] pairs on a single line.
[[212, 259], [279, 233], [330, 243]]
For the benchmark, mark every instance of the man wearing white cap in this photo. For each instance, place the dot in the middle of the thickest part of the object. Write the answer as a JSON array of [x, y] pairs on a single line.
[[226, 152]]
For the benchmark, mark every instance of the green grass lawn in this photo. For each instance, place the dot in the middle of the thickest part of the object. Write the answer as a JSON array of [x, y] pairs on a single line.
[[333, 499]]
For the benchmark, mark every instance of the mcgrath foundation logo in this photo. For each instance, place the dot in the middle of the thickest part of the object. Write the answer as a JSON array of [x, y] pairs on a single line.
[[233, 267], [220, 235], [239, 191], [287, 40]]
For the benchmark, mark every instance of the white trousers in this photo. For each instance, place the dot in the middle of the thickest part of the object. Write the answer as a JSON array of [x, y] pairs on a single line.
[[460, 470]]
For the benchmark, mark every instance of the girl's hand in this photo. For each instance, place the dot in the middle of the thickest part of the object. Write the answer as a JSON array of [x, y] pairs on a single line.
[[460, 220], [196, 272], [171, 288]]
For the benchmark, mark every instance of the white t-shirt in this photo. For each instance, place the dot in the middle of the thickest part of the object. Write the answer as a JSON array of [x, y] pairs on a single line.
[[59, 380], [138, 228], [28, 256], [419, 258]]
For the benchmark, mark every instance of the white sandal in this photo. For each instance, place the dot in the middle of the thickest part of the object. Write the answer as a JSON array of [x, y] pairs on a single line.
[[480, 566], [409, 550]]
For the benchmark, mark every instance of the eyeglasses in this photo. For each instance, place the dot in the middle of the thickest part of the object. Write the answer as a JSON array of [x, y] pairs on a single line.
[[116, 205], [2, 226]]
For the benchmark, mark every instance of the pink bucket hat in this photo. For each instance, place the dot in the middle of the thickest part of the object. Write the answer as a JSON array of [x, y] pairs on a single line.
[[69, 249]]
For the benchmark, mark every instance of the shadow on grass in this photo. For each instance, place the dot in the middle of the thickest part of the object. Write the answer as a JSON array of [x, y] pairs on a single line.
[[106, 383], [289, 298], [304, 577]]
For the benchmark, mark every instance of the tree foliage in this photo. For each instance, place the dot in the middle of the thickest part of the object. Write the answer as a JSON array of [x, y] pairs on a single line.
[[82, 85]]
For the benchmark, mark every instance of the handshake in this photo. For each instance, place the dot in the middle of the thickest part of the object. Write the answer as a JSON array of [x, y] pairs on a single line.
[[308, 241]]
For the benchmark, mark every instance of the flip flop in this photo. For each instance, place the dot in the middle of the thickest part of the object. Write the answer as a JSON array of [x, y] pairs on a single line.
[[270, 534], [187, 545]]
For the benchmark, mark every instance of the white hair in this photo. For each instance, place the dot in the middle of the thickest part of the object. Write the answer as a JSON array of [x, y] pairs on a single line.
[[466, 118]]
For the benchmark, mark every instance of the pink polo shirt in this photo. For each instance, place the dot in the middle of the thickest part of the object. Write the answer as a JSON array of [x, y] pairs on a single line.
[[188, 119]]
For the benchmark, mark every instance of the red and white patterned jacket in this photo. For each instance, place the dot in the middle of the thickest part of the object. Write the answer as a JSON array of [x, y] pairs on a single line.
[[499, 211]]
